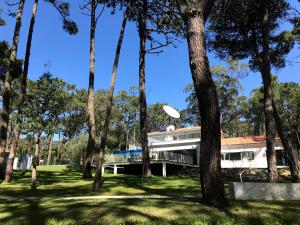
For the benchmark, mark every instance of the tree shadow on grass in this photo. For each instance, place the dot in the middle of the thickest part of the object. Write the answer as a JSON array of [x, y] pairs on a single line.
[[264, 212], [130, 211]]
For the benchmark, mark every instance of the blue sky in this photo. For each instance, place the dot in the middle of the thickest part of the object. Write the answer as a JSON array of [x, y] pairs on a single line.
[[167, 74]]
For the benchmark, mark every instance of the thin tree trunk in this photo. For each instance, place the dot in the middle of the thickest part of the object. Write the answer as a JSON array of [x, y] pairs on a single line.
[[292, 127], [292, 162], [49, 150], [142, 27], [4, 114], [87, 173], [212, 185], [35, 162], [11, 157], [100, 159], [59, 148], [268, 107], [16, 132]]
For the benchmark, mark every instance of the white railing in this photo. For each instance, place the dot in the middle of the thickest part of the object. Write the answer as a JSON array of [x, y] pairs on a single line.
[[156, 156], [173, 137]]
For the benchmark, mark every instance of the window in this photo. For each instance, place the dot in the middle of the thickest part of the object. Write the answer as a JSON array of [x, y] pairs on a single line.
[[235, 156], [231, 156], [248, 155]]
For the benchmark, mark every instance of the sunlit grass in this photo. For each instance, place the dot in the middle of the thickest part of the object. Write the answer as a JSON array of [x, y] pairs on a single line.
[[133, 211], [61, 181]]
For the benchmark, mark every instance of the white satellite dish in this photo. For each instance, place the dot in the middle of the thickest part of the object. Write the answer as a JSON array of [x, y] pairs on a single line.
[[171, 111]]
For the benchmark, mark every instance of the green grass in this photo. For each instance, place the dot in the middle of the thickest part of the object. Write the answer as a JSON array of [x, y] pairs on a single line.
[[61, 181], [133, 211]]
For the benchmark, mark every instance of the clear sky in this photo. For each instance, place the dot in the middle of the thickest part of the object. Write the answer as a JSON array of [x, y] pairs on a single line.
[[167, 74]]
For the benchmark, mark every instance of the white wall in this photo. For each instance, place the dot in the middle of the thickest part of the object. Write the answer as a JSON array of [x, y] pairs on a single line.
[[260, 158]]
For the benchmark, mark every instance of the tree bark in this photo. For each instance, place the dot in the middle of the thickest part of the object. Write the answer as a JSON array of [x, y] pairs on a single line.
[[100, 159], [49, 150], [142, 28], [292, 162], [16, 132], [292, 127], [212, 185], [268, 106], [4, 114], [11, 157], [35, 162], [91, 98]]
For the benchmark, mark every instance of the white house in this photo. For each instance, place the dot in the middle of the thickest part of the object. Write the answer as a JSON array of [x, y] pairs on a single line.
[[237, 152], [182, 147]]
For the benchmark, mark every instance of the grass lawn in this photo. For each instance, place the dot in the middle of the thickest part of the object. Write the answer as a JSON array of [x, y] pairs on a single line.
[[59, 181], [131, 211]]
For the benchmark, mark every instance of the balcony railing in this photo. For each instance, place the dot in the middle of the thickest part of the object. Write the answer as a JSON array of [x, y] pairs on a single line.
[[156, 156], [173, 137]]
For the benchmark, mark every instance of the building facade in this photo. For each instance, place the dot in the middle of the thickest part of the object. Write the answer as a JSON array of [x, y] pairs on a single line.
[[182, 147]]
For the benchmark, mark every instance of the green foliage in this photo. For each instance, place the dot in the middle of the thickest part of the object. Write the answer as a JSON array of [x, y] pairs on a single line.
[[45, 104], [74, 149], [244, 116], [237, 27], [158, 120], [164, 23], [75, 116], [125, 121], [228, 87], [63, 9], [16, 68]]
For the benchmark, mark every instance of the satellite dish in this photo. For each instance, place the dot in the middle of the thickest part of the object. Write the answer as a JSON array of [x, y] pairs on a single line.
[[171, 111]]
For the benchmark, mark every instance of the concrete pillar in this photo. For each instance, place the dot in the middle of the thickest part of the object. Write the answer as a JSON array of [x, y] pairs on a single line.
[[164, 169], [115, 169], [102, 170], [198, 155]]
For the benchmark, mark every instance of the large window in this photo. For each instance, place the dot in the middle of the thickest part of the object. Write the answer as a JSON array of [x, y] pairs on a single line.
[[236, 156]]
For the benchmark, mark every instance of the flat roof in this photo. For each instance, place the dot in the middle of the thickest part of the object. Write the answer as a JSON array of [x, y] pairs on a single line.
[[248, 140], [179, 130]]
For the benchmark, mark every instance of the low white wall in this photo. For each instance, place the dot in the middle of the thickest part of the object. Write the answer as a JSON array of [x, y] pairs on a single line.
[[264, 191]]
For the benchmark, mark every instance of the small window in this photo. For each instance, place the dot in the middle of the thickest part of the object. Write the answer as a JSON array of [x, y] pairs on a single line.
[[248, 155], [223, 156]]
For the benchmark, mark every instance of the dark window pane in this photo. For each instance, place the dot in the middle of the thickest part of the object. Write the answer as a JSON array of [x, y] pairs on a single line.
[[235, 156]]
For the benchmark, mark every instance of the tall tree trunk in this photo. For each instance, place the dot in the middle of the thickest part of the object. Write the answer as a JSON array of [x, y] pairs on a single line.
[[100, 159], [87, 173], [212, 185], [49, 149], [292, 162], [35, 162], [16, 132], [142, 27], [4, 114], [268, 107]]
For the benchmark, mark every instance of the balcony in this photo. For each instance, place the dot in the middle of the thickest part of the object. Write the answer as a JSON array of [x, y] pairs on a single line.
[[154, 157], [173, 137]]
